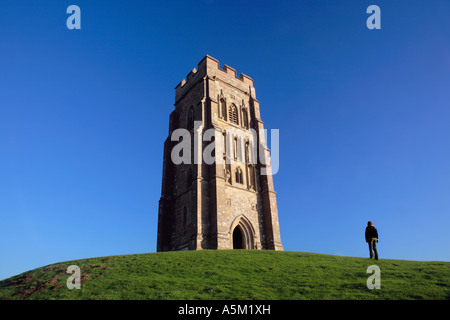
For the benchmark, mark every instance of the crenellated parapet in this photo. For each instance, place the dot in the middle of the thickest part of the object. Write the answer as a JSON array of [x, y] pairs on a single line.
[[210, 67]]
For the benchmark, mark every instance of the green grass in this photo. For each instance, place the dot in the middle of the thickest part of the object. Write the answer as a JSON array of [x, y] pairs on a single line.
[[232, 274]]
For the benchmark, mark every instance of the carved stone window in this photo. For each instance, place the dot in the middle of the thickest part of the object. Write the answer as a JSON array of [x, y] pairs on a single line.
[[233, 114]]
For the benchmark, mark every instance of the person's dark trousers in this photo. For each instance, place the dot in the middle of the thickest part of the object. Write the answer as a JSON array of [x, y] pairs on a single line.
[[373, 248]]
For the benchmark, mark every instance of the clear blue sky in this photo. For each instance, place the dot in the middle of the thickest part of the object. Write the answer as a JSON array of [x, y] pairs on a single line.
[[364, 120]]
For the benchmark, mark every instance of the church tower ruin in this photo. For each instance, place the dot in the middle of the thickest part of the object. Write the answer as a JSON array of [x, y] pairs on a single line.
[[229, 203]]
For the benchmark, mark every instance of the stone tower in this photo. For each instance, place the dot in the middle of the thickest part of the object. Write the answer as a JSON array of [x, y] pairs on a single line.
[[228, 203]]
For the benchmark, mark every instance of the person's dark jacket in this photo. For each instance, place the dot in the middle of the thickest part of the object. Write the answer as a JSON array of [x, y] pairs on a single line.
[[371, 233]]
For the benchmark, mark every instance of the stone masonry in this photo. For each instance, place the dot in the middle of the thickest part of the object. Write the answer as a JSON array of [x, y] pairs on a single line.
[[229, 203]]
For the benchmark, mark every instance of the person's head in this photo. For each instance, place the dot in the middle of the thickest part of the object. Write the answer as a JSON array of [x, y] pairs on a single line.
[[369, 223]]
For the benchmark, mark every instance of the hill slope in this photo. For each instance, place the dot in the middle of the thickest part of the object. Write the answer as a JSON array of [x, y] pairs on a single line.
[[233, 274]]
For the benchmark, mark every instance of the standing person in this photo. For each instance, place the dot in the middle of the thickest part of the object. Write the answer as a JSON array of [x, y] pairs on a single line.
[[372, 239]]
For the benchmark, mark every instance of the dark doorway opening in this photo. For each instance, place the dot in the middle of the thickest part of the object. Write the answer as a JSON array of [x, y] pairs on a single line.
[[238, 242]]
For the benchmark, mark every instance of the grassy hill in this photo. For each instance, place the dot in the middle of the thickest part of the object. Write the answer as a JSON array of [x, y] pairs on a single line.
[[233, 274]]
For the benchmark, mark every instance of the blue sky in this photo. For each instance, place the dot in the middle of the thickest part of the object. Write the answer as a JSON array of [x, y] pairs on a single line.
[[364, 120]]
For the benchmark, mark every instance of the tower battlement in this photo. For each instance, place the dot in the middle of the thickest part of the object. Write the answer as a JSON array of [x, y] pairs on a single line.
[[210, 66]]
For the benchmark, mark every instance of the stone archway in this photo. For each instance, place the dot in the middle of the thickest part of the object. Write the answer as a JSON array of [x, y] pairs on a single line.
[[238, 239], [242, 234]]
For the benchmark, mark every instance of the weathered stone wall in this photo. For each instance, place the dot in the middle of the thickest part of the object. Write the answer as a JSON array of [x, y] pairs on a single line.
[[207, 202]]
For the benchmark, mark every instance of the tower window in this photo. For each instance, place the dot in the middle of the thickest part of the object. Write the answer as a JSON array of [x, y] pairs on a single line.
[[233, 114]]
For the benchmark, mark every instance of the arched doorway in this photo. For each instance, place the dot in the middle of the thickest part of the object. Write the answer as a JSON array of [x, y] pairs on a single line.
[[238, 242], [242, 234]]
